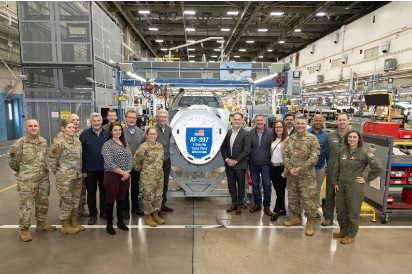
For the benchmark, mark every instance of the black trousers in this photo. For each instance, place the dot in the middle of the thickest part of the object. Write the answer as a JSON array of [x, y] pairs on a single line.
[[236, 185], [93, 180], [134, 191], [167, 166], [279, 184]]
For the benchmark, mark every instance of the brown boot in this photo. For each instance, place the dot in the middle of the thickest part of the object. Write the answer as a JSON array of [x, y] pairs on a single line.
[[25, 235], [42, 226], [339, 235], [83, 211], [67, 228], [74, 223], [150, 221], [309, 227], [326, 222], [157, 218], [347, 240], [295, 220]]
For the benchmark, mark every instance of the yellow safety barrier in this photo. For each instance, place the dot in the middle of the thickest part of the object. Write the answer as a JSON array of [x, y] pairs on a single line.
[[368, 211]]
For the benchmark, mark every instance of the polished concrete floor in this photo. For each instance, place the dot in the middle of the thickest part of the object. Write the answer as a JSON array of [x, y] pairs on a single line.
[[199, 237]]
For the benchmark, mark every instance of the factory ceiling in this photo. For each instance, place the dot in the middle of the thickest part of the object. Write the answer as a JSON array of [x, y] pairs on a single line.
[[252, 30]]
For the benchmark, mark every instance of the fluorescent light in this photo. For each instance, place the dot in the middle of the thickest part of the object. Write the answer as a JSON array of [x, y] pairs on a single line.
[[242, 50], [250, 41], [189, 12], [225, 29], [281, 42], [265, 78], [262, 30], [211, 61], [135, 76], [220, 41], [192, 61], [154, 29], [144, 11], [320, 14], [214, 56], [191, 49], [164, 49], [191, 41], [298, 30], [216, 49], [190, 29], [277, 13], [159, 40], [191, 56], [232, 13], [236, 56], [260, 56], [270, 50]]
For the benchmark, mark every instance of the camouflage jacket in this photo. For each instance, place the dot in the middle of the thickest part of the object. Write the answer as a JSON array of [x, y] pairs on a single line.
[[27, 157], [66, 158], [148, 160], [302, 152]]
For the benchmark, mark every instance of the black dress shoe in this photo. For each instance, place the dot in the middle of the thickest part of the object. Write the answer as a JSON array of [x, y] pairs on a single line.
[[166, 209], [126, 215], [138, 212], [281, 212], [274, 217], [231, 208], [92, 220], [102, 215]]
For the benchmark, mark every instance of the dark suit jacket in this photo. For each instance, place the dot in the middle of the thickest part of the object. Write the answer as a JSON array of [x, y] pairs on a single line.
[[240, 149]]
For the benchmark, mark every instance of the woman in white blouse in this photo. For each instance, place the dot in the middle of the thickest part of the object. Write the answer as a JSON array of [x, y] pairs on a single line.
[[277, 169]]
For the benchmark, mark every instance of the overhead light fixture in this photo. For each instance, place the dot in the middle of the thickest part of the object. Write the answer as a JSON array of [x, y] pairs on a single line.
[[189, 12], [190, 29], [281, 42], [250, 41], [191, 41], [192, 61], [260, 56], [153, 29], [265, 78], [236, 56], [262, 30], [232, 13], [164, 49], [191, 49], [191, 56], [159, 40], [320, 14], [270, 50], [277, 13], [135, 76], [220, 41], [243, 50], [214, 56], [90, 79], [224, 29], [144, 11], [216, 49], [298, 30]]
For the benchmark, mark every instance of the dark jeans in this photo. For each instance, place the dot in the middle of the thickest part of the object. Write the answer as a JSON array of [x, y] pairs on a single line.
[[93, 180], [236, 185], [134, 191], [255, 172], [167, 166], [115, 187], [279, 184]]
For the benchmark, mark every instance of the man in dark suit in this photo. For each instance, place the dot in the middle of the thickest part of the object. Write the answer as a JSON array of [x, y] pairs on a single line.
[[235, 151]]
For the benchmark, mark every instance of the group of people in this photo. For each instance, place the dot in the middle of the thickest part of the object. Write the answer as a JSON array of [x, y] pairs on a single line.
[[110, 158], [294, 157]]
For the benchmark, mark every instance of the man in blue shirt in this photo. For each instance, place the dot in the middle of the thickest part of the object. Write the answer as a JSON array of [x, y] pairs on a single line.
[[320, 167]]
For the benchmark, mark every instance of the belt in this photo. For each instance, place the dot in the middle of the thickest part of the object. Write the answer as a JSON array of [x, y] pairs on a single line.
[[280, 164]]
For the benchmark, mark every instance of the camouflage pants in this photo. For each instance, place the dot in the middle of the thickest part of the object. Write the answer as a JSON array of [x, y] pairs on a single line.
[[302, 189], [83, 194], [152, 194], [69, 191], [33, 195]]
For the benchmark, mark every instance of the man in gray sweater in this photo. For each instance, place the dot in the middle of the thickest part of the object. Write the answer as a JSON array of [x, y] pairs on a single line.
[[134, 137]]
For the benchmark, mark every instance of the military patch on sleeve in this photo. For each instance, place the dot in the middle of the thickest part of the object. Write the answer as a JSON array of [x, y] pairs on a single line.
[[370, 154], [53, 149], [12, 152]]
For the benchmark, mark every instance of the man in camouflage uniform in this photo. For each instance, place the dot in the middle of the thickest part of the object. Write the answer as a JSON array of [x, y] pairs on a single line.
[[66, 162], [74, 118], [301, 154], [148, 160], [27, 157]]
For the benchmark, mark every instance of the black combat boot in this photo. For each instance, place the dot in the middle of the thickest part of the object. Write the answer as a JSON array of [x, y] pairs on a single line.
[[109, 219], [119, 207]]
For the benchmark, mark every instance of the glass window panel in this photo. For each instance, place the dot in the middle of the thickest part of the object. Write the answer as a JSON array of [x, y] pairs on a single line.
[[74, 11], [76, 78], [76, 53], [37, 52], [74, 32], [39, 78], [34, 10], [35, 31]]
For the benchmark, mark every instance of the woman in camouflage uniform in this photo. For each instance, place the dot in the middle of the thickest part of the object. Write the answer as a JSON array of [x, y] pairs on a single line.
[[148, 160], [66, 163]]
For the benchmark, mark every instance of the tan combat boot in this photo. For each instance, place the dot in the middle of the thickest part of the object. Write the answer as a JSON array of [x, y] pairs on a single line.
[[67, 228], [309, 227], [347, 240], [157, 218], [339, 235], [42, 226], [83, 212], [74, 223], [295, 220], [25, 235], [150, 221]]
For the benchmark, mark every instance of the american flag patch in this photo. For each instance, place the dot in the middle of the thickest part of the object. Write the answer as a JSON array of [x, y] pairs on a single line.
[[199, 132]]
